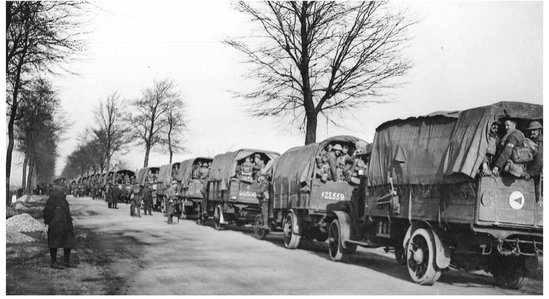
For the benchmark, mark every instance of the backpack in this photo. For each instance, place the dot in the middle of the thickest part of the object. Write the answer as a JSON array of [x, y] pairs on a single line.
[[525, 151]]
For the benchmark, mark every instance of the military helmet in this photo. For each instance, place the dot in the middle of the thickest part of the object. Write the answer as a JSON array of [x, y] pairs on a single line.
[[337, 147], [534, 125]]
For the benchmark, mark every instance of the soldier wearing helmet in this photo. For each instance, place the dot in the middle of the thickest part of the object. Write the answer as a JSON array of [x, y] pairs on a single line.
[[534, 168], [337, 151]]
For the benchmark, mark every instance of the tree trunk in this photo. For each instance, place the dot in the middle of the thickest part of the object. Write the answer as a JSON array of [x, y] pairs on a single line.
[[310, 133], [147, 151], [170, 147], [310, 111], [29, 177], [11, 125], [24, 178]]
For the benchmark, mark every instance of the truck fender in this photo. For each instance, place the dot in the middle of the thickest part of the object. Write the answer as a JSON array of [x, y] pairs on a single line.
[[442, 252], [344, 227]]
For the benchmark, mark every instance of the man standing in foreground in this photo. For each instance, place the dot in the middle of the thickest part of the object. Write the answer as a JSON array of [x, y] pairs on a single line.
[[57, 216], [147, 199]]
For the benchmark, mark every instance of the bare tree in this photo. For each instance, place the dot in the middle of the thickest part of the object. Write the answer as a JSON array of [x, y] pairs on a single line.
[[38, 131], [112, 133], [149, 120], [316, 58], [175, 124], [39, 36]]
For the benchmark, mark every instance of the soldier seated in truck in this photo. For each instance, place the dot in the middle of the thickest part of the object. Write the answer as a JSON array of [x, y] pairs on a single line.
[[246, 170], [493, 141], [512, 139]]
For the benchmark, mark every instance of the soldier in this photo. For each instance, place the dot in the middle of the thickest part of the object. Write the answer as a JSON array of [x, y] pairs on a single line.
[[332, 161], [534, 168], [512, 139], [115, 196], [108, 194], [57, 216], [204, 170], [247, 170], [493, 141], [135, 208], [259, 165], [147, 199], [263, 196]]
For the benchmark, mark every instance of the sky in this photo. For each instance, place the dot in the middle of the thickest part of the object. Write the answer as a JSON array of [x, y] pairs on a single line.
[[465, 54]]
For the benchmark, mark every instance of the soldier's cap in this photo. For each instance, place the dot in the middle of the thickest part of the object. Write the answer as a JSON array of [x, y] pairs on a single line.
[[174, 181], [257, 155], [337, 147], [497, 122], [534, 125]]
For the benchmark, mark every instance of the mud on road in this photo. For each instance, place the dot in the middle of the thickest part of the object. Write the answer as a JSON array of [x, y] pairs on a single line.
[[119, 254]]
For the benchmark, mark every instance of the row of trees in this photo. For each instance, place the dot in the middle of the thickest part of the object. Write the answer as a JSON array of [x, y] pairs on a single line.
[[40, 37], [154, 120]]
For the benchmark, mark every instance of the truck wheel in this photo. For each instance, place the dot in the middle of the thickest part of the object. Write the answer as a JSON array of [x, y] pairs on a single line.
[[291, 240], [334, 241], [421, 258], [217, 219], [259, 232], [510, 273]]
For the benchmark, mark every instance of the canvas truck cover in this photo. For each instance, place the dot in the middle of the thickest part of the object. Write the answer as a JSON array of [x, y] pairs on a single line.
[[186, 170], [298, 162], [442, 147], [224, 165], [141, 174], [165, 174], [469, 140]]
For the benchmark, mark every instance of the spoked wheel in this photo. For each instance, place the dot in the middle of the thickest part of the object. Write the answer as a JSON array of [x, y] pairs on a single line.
[[509, 273], [217, 219], [291, 240], [421, 258], [259, 232], [334, 241]]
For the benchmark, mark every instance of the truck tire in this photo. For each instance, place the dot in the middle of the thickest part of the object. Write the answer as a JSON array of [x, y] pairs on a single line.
[[334, 241], [421, 257], [259, 232], [509, 273], [291, 239]]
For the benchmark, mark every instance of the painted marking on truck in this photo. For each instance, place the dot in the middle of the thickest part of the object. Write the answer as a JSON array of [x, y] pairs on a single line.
[[333, 195], [516, 200]]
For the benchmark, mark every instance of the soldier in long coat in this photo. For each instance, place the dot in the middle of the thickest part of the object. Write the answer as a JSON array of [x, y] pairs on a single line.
[[57, 216]]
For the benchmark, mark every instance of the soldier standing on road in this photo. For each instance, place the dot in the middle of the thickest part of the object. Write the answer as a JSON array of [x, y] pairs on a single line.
[[135, 205], [108, 194], [173, 204], [263, 196], [115, 196], [57, 216], [147, 199]]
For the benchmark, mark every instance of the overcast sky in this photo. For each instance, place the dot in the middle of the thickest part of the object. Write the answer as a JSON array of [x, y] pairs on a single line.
[[465, 54]]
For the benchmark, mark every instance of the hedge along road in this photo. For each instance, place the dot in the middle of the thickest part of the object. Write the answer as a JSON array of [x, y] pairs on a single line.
[[148, 256]]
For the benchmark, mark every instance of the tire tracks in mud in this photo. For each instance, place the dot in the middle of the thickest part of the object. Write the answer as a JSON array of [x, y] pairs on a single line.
[[102, 259]]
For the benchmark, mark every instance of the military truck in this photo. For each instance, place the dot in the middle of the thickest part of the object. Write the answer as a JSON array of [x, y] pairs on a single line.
[[231, 198], [122, 179], [425, 198], [150, 176], [300, 195], [192, 180]]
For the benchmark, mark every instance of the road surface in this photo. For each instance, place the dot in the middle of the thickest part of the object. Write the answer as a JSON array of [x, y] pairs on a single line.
[[145, 256]]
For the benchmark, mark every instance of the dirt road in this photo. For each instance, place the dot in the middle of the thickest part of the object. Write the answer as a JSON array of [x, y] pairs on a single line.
[[146, 256]]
